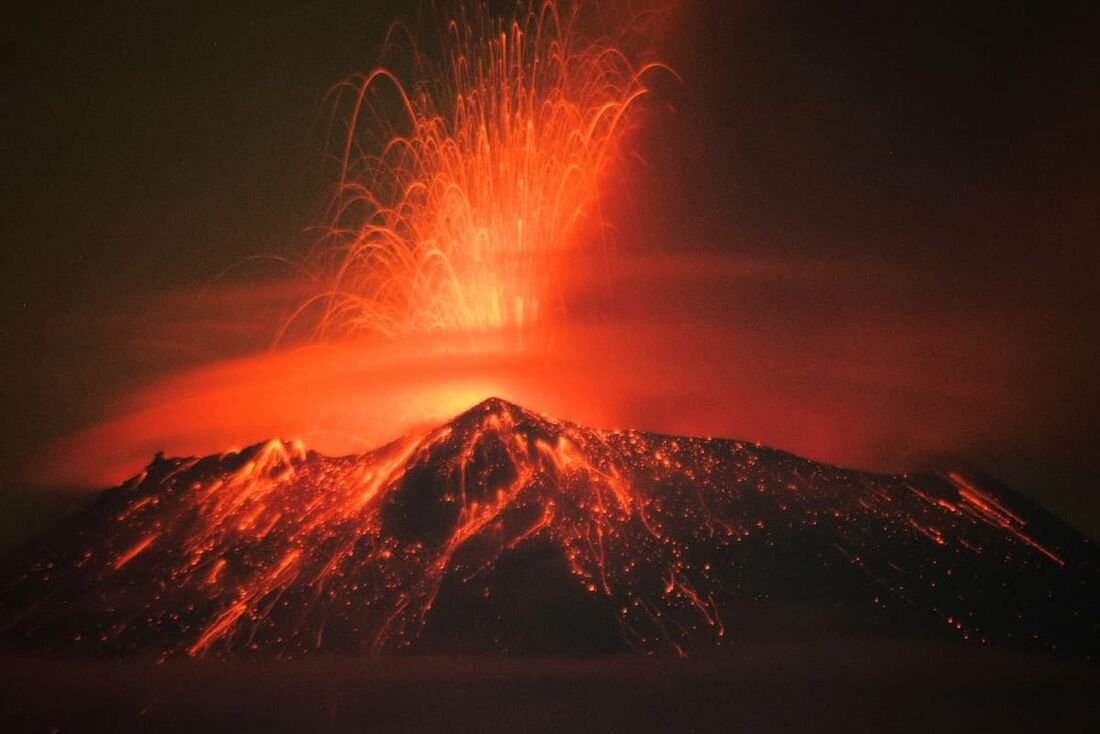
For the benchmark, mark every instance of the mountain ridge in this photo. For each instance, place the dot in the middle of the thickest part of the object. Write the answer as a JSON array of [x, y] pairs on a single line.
[[510, 531]]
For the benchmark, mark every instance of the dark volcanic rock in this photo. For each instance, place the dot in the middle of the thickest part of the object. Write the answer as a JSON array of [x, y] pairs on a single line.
[[506, 530]]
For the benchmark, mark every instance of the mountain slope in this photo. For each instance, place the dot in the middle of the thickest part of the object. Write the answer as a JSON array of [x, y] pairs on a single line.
[[506, 530]]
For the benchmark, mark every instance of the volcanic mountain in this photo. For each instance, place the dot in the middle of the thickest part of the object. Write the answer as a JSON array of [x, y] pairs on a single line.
[[509, 531]]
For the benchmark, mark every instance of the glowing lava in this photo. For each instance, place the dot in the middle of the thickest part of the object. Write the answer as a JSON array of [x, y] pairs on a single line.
[[467, 202], [465, 179], [439, 540]]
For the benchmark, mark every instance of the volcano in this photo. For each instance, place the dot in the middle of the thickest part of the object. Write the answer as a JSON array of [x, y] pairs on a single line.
[[505, 530]]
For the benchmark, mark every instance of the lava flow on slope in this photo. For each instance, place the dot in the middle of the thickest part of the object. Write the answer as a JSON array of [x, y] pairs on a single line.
[[506, 530]]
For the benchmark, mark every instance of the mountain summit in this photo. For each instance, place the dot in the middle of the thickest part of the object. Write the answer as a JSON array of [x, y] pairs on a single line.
[[507, 530]]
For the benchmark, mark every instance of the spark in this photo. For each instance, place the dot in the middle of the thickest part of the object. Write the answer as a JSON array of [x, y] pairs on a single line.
[[132, 553]]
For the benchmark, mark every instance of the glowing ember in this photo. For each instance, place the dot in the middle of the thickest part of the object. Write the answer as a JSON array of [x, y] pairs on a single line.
[[465, 179], [653, 542]]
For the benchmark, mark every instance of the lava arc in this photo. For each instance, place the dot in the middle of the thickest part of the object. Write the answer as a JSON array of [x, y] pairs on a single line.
[[468, 174]]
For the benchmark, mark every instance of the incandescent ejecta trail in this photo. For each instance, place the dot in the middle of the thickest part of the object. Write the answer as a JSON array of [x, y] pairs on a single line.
[[466, 180], [471, 169]]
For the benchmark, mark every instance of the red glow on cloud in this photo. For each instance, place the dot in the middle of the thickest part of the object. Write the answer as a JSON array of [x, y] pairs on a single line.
[[466, 257], [786, 353]]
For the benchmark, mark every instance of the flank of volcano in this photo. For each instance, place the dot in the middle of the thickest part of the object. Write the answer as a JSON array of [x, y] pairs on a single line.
[[508, 531]]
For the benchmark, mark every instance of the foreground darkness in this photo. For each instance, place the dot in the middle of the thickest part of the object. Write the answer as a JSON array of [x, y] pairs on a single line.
[[844, 685]]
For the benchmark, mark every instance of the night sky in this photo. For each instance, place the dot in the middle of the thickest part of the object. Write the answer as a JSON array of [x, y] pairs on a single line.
[[931, 174]]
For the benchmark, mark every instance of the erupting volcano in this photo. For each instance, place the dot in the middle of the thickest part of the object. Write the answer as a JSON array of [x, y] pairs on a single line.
[[505, 530], [586, 365]]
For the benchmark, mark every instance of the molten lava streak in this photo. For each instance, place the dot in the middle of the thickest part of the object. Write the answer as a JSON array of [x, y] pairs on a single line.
[[462, 185]]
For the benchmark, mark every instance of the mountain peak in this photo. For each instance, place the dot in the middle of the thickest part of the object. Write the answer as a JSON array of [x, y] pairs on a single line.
[[496, 405], [500, 408], [503, 529]]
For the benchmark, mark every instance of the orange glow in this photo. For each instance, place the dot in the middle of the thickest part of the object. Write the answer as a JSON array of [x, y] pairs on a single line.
[[651, 348], [464, 181], [130, 554], [467, 202], [464, 257]]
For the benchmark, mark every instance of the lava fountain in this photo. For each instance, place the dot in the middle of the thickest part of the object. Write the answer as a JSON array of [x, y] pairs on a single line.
[[465, 181], [466, 205]]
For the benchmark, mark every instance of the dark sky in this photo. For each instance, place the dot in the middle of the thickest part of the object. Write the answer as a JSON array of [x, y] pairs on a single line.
[[151, 148]]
